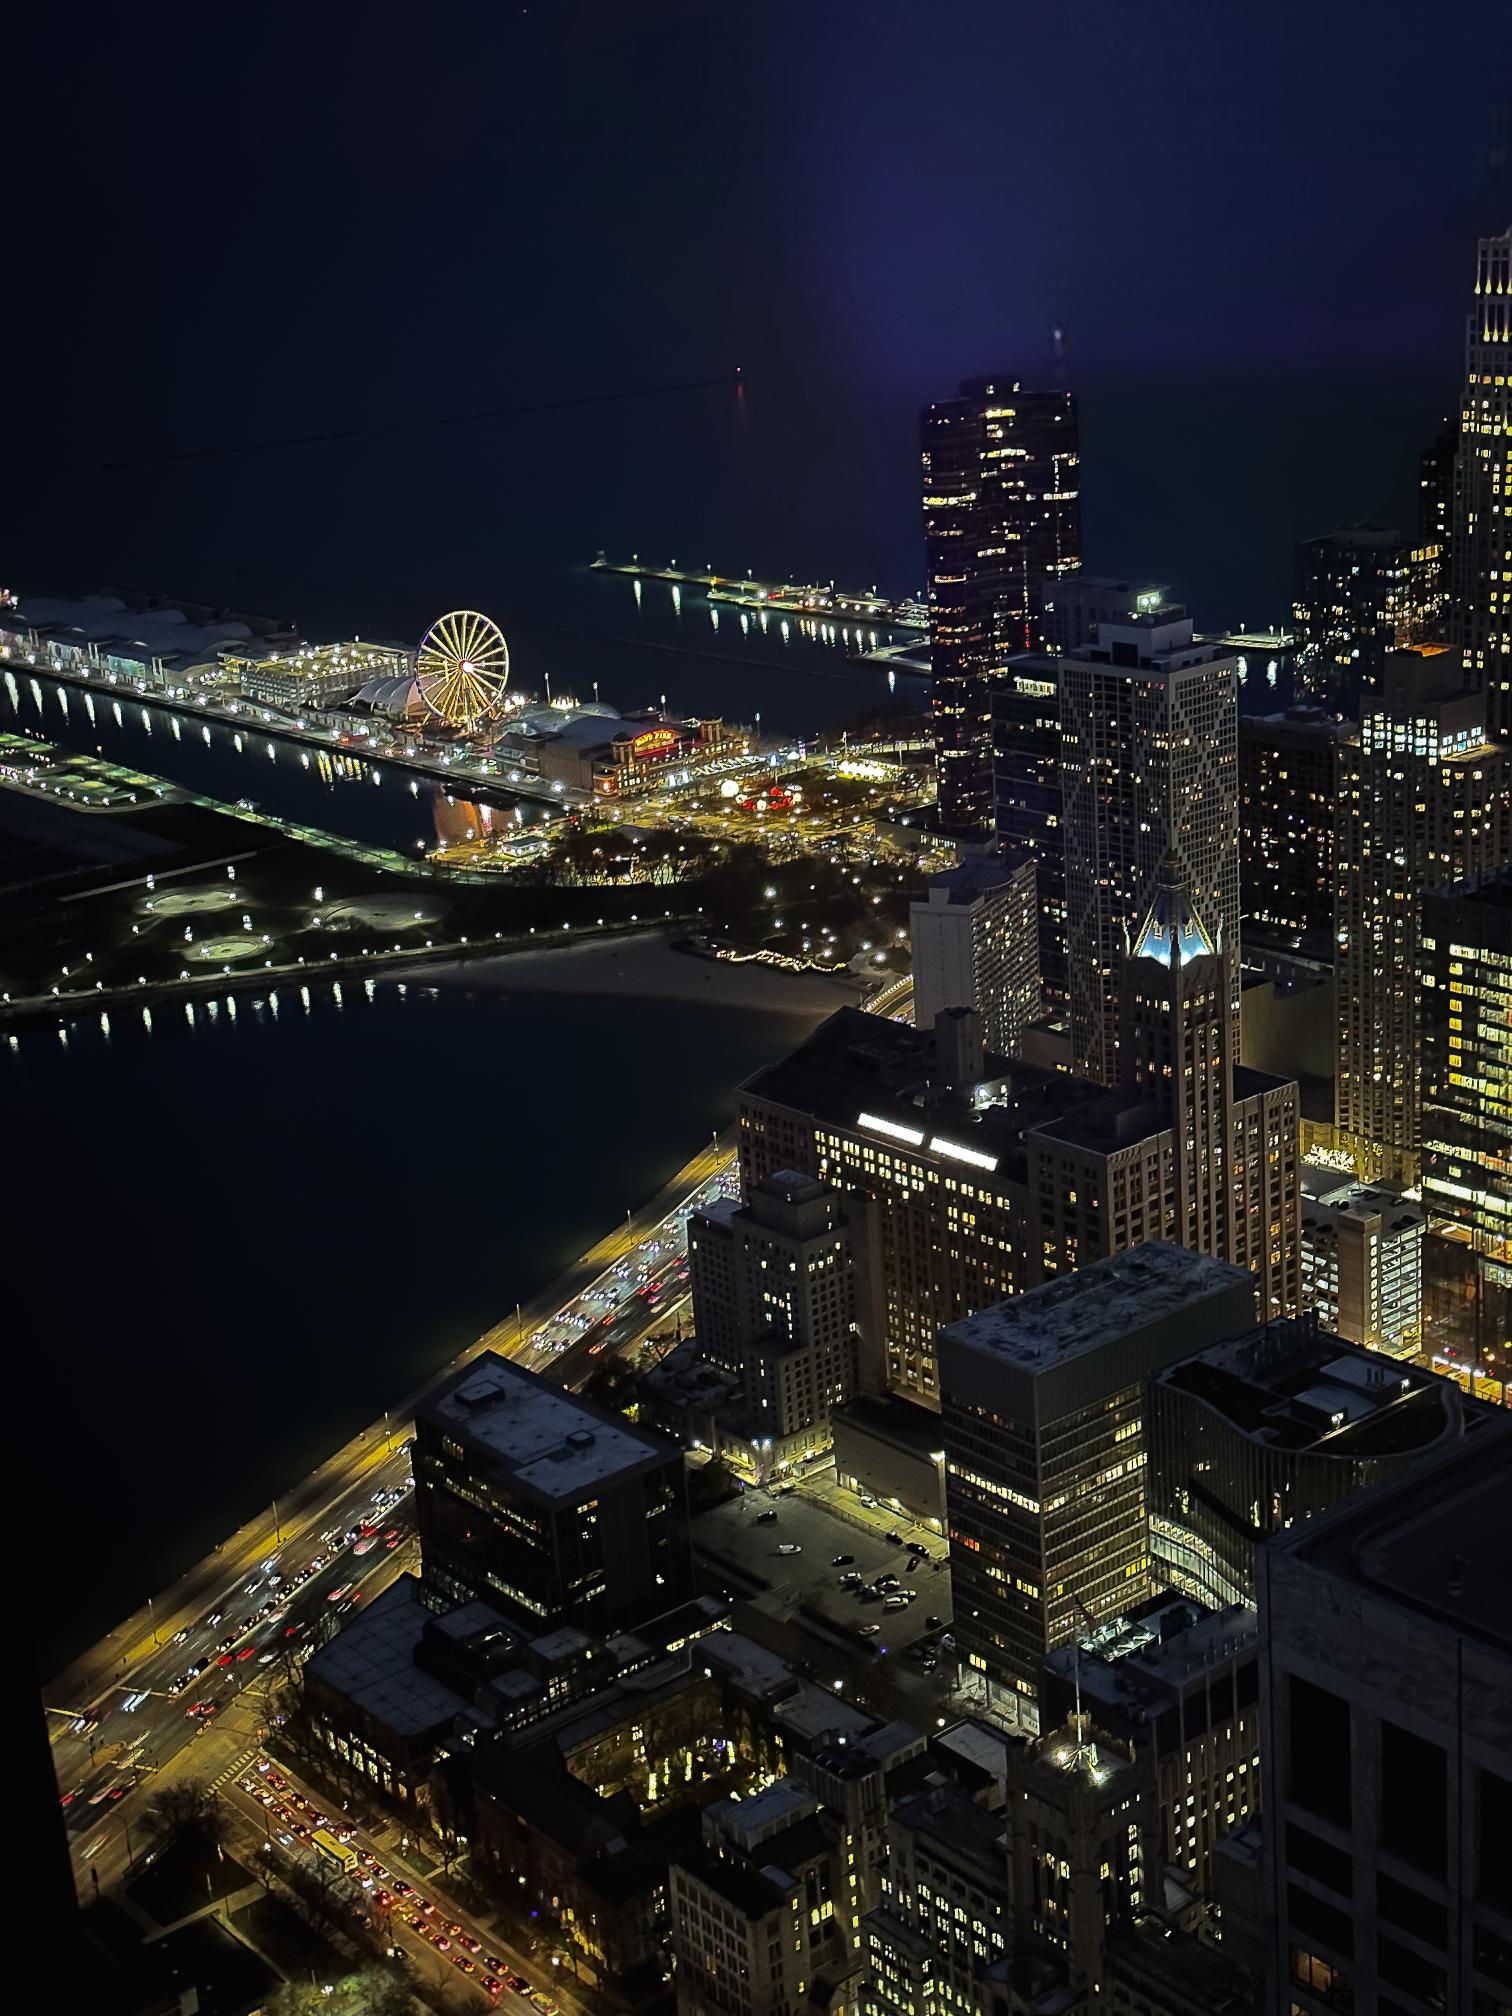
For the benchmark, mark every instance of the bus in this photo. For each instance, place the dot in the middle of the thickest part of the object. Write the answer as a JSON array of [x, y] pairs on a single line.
[[325, 1844]]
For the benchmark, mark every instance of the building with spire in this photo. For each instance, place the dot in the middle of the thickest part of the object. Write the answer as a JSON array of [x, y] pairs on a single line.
[[1150, 775], [1002, 524], [1480, 562]]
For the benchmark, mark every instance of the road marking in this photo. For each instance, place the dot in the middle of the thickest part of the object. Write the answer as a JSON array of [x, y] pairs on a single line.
[[234, 1770]]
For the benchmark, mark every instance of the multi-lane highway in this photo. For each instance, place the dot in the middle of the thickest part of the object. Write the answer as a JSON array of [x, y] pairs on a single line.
[[178, 1690]]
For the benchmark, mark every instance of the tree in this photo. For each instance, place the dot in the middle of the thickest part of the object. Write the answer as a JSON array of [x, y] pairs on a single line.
[[187, 1810]]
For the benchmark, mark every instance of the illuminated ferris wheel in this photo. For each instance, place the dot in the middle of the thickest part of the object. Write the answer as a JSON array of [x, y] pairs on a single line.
[[462, 669]]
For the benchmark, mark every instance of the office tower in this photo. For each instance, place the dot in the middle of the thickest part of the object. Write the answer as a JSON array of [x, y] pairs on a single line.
[[1076, 605], [1026, 788], [975, 943], [1180, 1686], [1002, 524], [1149, 765], [1043, 1423], [1424, 799], [1386, 1745], [1351, 610], [1480, 560], [783, 1300], [1362, 1260], [1263, 1430], [1288, 781], [1467, 1090], [551, 1508], [758, 1909]]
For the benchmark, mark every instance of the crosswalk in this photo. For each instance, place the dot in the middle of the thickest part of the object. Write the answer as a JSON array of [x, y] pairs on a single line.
[[233, 1770]]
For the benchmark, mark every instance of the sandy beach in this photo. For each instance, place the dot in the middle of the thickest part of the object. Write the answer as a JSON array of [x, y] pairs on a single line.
[[644, 964]]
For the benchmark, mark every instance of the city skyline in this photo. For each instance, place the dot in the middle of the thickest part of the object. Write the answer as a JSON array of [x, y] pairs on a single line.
[[788, 1259]]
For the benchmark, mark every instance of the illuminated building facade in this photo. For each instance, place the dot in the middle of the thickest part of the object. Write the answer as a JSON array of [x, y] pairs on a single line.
[[1386, 1745], [1481, 544], [975, 944], [532, 1499], [1467, 1082], [1288, 781], [1043, 1422], [1362, 1261], [1078, 603], [783, 1299], [759, 1910], [1424, 799], [1026, 790], [1180, 1685], [1192, 1148], [313, 675], [1150, 773], [1353, 602], [1084, 1847], [1260, 1432], [1002, 524]]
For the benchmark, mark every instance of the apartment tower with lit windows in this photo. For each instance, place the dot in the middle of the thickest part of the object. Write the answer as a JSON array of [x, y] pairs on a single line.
[[1002, 524], [1480, 549], [1424, 799]]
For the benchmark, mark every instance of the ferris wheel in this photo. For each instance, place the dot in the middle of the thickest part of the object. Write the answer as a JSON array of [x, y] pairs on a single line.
[[462, 668]]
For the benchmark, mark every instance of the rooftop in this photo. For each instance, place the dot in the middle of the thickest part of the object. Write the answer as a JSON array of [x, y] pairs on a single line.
[[371, 1661], [547, 1442], [1432, 1541], [1297, 1387], [977, 876], [1098, 1305]]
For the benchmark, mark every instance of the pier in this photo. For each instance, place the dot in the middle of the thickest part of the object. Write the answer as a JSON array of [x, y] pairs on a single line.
[[804, 599]]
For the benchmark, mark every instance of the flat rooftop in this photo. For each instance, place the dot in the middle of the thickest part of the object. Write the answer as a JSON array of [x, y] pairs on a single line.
[[1098, 1305], [546, 1442], [869, 1077], [1433, 1541], [371, 1662]]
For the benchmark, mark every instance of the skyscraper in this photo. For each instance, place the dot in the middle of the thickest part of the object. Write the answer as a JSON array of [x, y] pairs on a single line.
[[1435, 513], [1424, 799], [1467, 1087], [1002, 523], [1043, 1421], [1481, 542], [1386, 1744], [975, 944], [1288, 781], [1149, 767], [1353, 605], [1026, 789]]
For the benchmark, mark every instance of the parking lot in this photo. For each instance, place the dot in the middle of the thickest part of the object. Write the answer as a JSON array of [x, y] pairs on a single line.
[[845, 1631]]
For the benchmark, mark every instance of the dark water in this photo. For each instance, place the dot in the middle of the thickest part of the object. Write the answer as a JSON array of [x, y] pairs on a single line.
[[236, 1242]]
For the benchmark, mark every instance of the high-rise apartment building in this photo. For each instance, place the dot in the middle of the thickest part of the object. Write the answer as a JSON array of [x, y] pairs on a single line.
[[1262, 1431], [975, 943], [1424, 799], [1043, 1422], [1150, 772], [1480, 567], [783, 1300], [549, 1507], [1026, 789], [1386, 1745], [1002, 524], [1353, 600], [1435, 516], [1288, 781], [1467, 1088]]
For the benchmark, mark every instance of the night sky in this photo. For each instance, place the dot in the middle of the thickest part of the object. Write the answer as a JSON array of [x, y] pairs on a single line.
[[1254, 223]]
